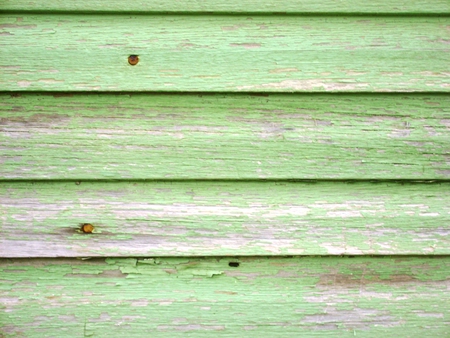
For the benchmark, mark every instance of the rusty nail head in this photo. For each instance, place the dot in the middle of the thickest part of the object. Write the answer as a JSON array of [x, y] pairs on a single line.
[[133, 60], [87, 228]]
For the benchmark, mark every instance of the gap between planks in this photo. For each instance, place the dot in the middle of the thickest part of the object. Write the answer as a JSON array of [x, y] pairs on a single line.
[[236, 7]]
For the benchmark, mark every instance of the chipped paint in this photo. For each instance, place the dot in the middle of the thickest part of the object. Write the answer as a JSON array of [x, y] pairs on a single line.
[[237, 136], [188, 218], [311, 296], [239, 53], [183, 171]]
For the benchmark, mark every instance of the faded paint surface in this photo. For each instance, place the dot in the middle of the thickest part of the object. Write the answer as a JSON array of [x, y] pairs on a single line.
[[127, 174], [69, 52], [142, 136], [223, 218], [309, 296]]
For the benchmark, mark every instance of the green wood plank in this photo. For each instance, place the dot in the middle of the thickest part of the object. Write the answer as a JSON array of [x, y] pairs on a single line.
[[236, 6], [263, 297], [224, 53], [143, 136], [223, 218]]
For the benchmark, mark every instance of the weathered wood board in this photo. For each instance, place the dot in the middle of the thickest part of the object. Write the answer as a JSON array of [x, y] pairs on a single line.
[[238, 53], [274, 297], [233, 152], [148, 136], [235, 6], [223, 218]]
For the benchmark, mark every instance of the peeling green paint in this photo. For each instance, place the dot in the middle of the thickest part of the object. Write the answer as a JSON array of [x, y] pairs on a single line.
[[307, 296], [193, 218], [225, 136], [276, 53], [211, 151]]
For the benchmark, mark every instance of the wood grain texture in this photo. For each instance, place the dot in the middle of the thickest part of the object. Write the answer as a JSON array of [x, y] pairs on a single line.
[[235, 6], [142, 136], [274, 297], [224, 53], [223, 218]]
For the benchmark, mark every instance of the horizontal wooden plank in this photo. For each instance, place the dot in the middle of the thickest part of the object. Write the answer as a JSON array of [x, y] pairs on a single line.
[[238, 53], [235, 6], [269, 297], [223, 218], [143, 136]]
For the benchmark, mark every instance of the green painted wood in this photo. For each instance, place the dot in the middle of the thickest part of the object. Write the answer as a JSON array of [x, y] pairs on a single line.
[[142, 136], [269, 297], [223, 218], [223, 53], [236, 6]]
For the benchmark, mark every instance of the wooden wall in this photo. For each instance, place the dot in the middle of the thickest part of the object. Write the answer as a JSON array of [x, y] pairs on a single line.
[[238, 168]]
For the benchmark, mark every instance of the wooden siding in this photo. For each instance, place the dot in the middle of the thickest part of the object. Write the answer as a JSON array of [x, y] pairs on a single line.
[[275, 297], [142, 136], [223, 218], [220, 179], [238, 53]]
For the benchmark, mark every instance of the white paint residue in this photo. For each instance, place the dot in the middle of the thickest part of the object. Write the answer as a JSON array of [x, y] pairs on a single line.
[[289, 211], [308, 84], [344, 213], [185, 210], [343, 249], [24, 84]]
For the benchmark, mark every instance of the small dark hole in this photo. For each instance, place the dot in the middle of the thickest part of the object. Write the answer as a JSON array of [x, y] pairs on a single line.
[[351, 256], [233, 264]]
